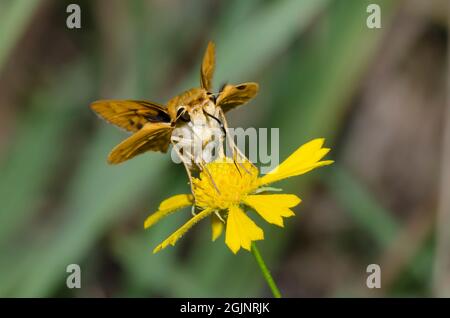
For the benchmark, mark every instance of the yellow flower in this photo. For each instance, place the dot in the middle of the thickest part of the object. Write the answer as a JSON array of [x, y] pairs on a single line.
[[226, 187]]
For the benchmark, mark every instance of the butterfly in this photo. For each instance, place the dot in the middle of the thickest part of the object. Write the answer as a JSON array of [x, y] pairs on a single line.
[[155, 126]]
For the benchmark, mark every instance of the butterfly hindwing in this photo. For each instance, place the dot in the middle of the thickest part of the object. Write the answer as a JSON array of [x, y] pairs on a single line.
[[152, 136], [232, 96]]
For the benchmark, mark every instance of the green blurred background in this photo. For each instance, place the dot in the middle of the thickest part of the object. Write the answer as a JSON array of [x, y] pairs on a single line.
[[377, 95]]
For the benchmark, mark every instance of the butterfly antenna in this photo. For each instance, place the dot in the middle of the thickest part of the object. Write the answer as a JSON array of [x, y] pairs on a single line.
[[237, 167], [218, 120]]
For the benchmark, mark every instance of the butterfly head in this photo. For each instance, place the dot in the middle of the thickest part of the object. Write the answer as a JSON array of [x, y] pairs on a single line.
[[191, 105]]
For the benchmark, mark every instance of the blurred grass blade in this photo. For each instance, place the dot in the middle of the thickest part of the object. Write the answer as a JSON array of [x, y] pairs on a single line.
[[256, 41], [363, 208], [37, 149], [380, 225], [14, 18]]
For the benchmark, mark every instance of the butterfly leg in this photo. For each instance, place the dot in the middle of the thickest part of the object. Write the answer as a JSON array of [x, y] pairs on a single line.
[[236, 151], [188, 171], [204, 168]]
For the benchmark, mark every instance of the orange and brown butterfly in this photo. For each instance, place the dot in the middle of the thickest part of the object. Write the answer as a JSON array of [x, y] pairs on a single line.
[[152, 124]]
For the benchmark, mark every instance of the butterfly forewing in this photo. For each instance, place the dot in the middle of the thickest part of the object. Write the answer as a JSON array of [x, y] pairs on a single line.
[[153, 136], [131, 115], [208, 65], [232, 96]]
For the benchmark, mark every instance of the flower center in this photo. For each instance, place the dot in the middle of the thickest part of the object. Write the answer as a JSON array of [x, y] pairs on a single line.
[[224, 183]]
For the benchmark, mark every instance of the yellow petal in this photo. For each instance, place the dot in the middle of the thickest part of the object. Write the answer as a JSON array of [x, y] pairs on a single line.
[[169, 206], [304, 159], [176, 201], [273, 207], [241, 230], [172, 239], [216, 226]]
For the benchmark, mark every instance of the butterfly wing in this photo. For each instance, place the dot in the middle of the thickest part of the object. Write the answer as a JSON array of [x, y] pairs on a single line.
[[131, 115], [208, 65], [232, 96], [152, 136]]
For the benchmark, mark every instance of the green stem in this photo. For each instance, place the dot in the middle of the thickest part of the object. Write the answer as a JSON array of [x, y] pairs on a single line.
[[265, 271]]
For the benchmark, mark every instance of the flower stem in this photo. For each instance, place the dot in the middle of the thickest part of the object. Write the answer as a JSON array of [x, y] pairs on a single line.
[[265, 271]]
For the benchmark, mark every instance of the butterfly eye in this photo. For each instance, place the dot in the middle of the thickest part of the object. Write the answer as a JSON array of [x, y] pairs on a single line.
[[183, 114], [180, 111]]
